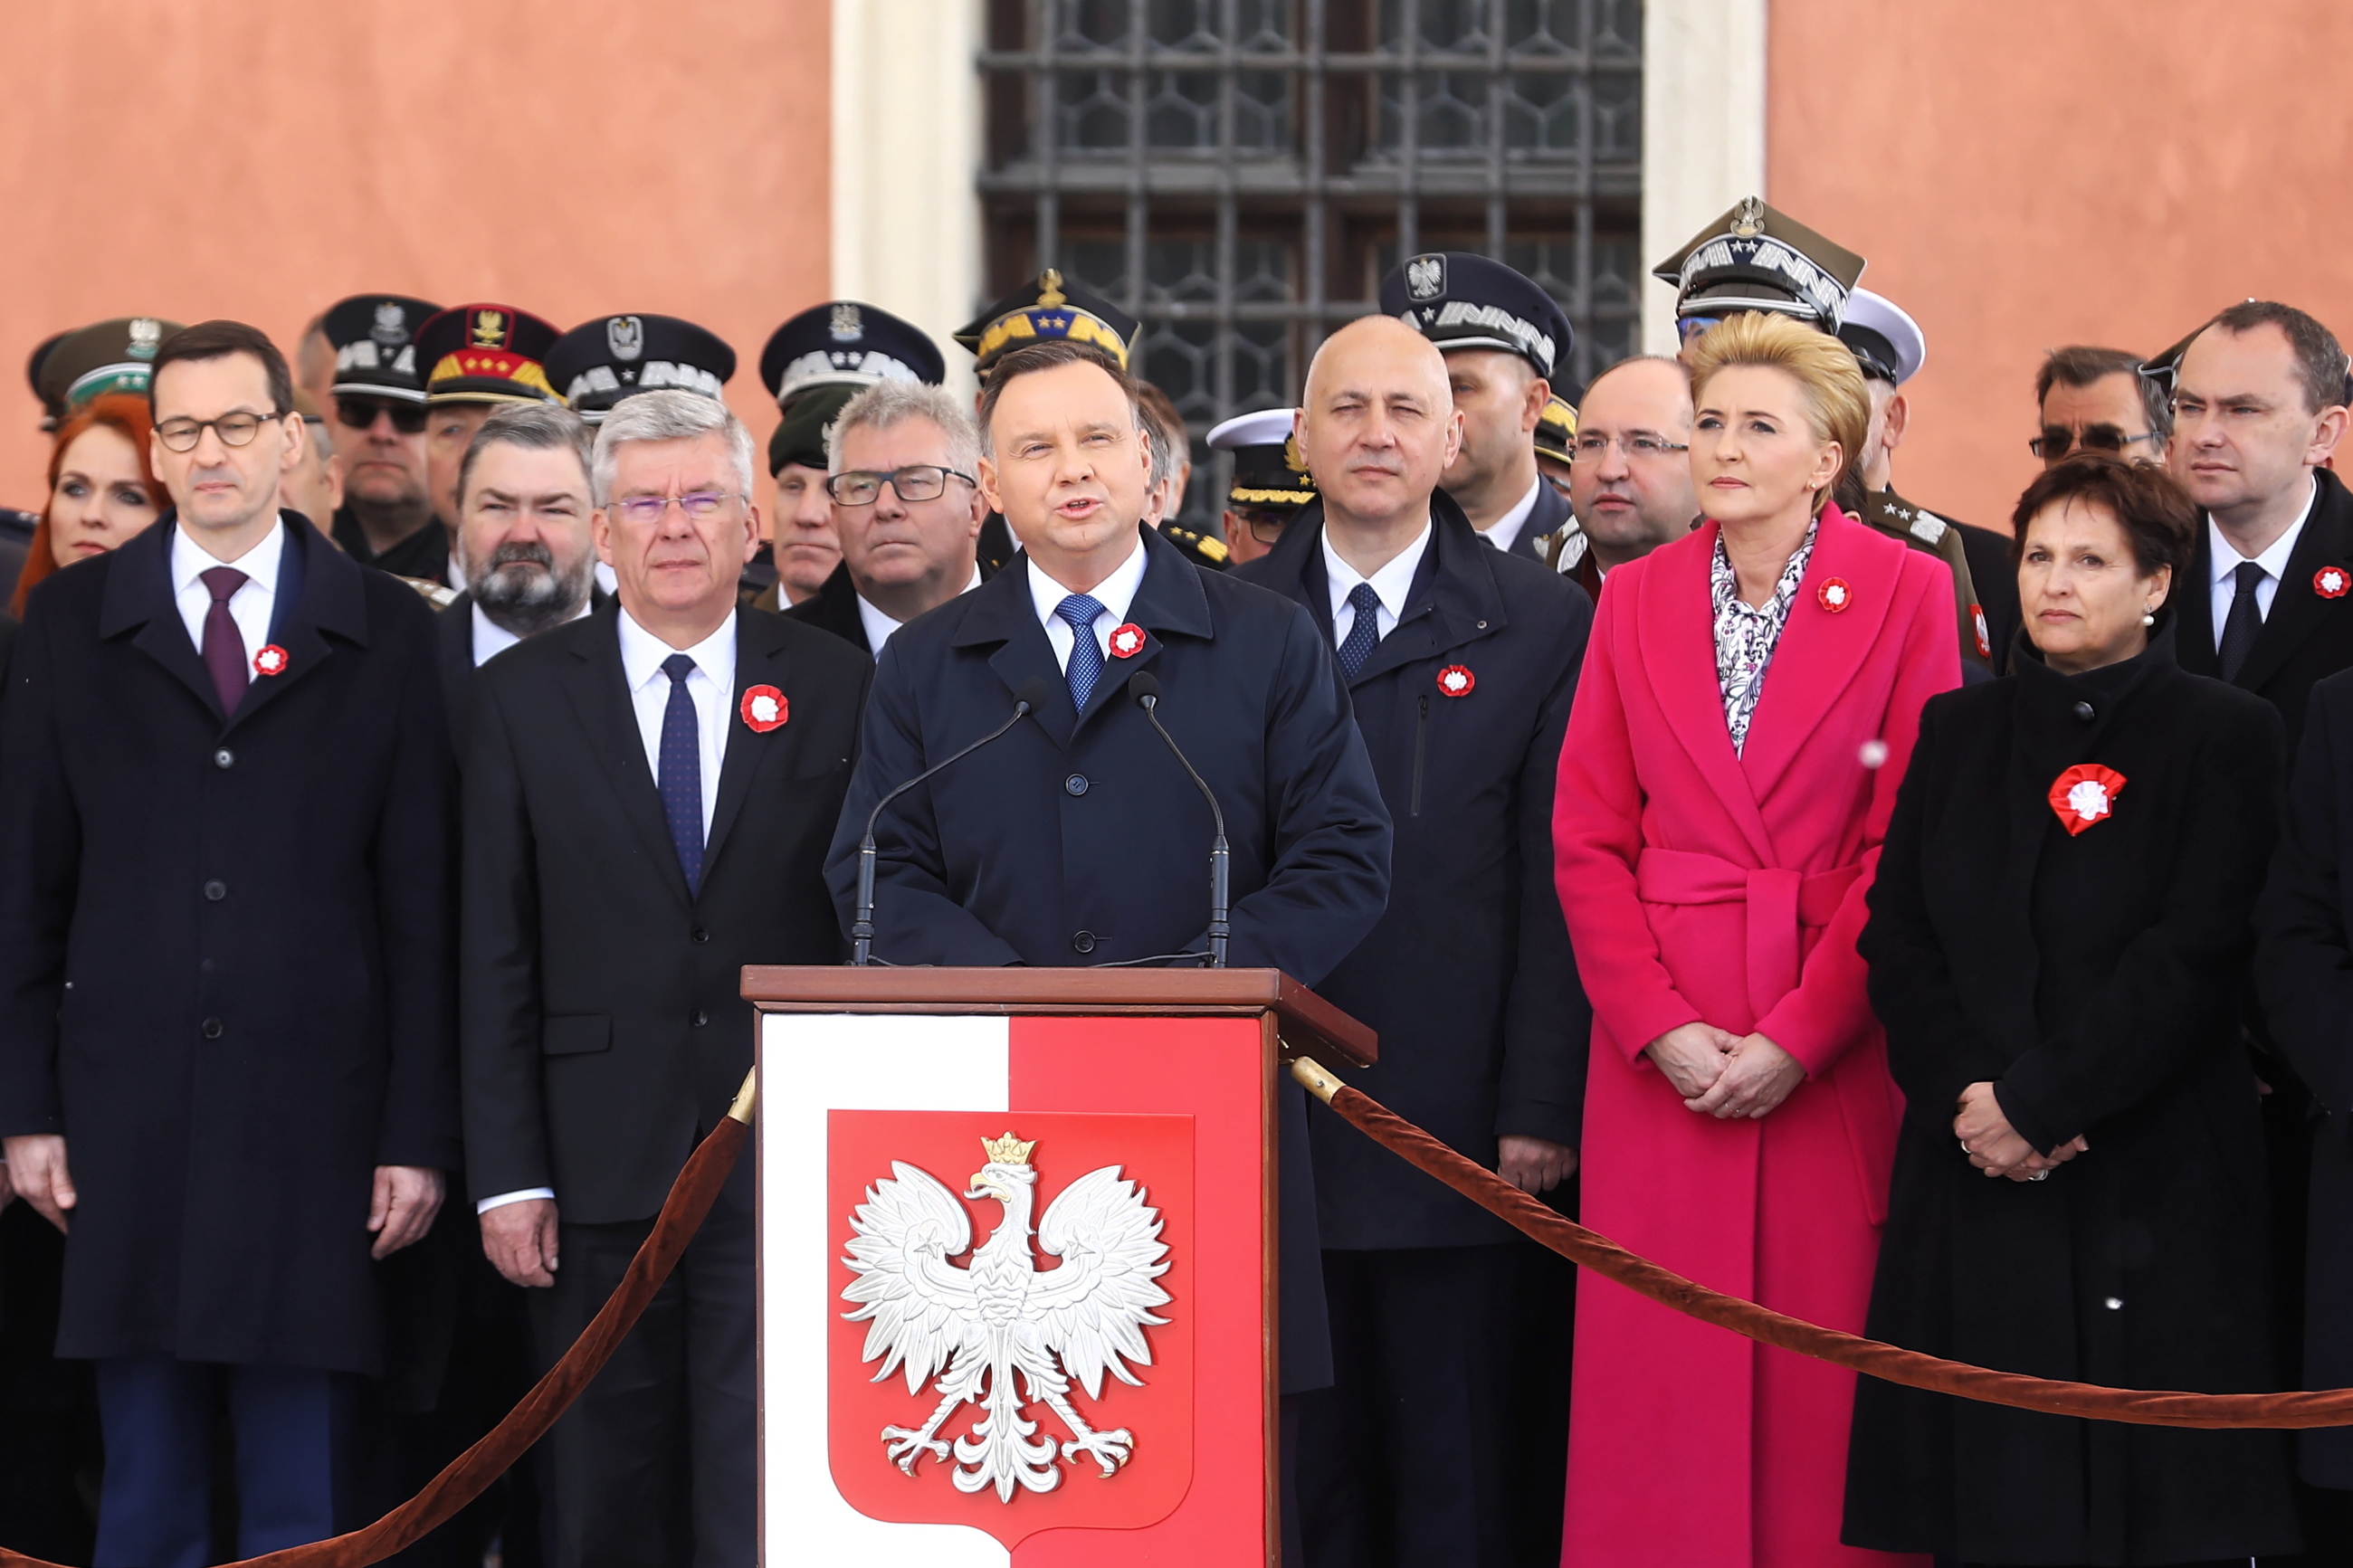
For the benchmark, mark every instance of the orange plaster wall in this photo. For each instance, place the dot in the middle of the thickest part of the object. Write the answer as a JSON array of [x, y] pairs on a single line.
[[260, 159], [2023, 175]]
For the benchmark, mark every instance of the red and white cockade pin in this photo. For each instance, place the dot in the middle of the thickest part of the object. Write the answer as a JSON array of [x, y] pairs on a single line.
[[2331, 582], [2085, 794], [1456, 680], [1127, 640], [1985, 636], [765, 708], [270, 659], [1834, 594]]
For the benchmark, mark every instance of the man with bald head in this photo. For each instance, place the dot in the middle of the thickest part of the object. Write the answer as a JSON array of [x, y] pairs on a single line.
[[1630, 487], [1448, 1361]]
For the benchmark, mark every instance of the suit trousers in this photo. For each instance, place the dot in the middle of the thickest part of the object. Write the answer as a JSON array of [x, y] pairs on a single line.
[[157, 1411], [655, 1465], [1443, 1441]]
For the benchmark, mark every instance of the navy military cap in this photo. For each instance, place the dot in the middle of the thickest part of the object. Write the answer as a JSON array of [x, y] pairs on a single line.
[[485, 354], [115, 355], [374, 338], [1045, 309], [1461, 300], [845, 344], [599, 362], [1756, 257], [1268, 469]]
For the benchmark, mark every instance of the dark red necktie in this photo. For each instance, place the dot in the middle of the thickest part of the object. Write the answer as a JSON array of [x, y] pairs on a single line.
[[224, 648]]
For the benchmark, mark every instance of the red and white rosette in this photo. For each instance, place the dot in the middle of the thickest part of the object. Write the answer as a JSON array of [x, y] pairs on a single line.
[[1127, 640], [2331, 582], [1456, 680], [2086, 795], [270, 659], [1835, 595], [765, 708]]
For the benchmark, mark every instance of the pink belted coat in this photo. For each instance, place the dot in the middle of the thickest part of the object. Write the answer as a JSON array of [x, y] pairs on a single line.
[[1701, 884]]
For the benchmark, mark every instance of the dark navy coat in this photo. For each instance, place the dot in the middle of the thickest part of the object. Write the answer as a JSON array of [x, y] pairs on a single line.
[[226, 968], [1544, 520], [1467, 978], [1077, 839]]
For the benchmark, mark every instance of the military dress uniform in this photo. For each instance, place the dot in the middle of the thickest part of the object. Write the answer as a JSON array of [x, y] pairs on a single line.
[[375, 339], [1270, 484]]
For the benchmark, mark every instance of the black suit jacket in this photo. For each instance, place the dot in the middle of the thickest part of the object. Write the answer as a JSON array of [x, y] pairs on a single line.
[[1544, 520], [834, 608], [603, 1026], [1468, 977], [225, 949], [453, 634], [2307, 636]]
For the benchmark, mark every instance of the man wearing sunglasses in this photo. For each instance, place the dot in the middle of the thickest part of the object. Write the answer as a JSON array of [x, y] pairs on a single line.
[[901, 460], [2096, 400], [1270, 484], [386, 521]]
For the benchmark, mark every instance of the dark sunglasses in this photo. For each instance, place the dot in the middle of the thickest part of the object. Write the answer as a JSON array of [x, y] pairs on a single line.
[[2054, 443], [408, 419]]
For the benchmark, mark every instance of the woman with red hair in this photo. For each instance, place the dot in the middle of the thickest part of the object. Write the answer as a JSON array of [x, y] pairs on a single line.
[[101, 490]]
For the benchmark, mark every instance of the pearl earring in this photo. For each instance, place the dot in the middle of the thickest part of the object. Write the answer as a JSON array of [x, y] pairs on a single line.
[[2148, 618]]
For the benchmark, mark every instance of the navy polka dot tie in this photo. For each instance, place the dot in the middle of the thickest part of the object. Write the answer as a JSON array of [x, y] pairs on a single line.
[[681, 772], [1086, 653], [1363, 633]]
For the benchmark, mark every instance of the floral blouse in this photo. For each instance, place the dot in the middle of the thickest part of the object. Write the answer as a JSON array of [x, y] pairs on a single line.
[[1745, 637]]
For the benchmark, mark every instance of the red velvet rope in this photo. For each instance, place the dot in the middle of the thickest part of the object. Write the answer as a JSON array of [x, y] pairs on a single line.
[[2333, 1407]]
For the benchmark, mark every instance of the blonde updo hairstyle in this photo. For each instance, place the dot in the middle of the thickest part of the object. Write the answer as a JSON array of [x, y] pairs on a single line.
[[1838, 403]]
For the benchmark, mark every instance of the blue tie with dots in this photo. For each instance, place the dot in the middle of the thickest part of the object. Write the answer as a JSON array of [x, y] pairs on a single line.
[[1086, 653], [1364, 632], [681, 772]]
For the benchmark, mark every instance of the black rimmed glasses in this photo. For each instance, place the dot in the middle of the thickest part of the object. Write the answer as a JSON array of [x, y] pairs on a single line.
[[237, 429], [917, 482]]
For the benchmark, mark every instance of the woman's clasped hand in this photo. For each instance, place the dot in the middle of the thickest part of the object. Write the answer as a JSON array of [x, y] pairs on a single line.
[[1997, 1148], [1725, 1075]]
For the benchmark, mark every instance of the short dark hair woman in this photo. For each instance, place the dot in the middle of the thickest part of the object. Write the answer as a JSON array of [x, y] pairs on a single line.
[[2058, 945]]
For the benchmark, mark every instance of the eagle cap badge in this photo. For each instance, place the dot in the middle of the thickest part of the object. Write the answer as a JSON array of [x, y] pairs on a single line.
[[1425, 277], [626, 337]]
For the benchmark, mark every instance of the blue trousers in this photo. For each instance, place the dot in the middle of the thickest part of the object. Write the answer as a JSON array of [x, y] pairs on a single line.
[[158, 1414]]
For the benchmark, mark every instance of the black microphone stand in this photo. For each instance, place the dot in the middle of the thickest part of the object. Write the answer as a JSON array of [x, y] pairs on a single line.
[[1145, 689]]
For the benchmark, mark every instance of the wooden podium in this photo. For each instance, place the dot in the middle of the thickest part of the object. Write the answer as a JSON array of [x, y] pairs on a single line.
[[1016, 1261]]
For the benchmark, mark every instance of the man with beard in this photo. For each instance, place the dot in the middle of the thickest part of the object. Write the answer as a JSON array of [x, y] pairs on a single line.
[[386, 521], [475, 358], [523, 541]]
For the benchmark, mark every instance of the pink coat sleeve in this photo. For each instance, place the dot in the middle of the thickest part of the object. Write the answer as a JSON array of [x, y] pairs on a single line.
[[1596, 834], [1829, 1010]]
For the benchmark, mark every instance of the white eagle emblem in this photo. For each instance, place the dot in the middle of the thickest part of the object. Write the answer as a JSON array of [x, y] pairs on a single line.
[[975, 1327], [625, 336], [1425, 277], [849, 323]]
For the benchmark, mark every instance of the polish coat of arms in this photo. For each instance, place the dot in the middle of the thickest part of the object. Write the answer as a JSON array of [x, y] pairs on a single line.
[[1425, 277], [625, 336], [1000, 1332]]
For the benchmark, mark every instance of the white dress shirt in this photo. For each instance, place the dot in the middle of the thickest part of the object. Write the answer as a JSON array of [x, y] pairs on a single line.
[[490, 639], [1390, 584], [1114, 593], [879, 626], [1505, 532], [250, 607], [2273, 561]]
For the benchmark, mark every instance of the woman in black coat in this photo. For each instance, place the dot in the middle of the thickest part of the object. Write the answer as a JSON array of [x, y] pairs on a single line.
[[2058, 944]]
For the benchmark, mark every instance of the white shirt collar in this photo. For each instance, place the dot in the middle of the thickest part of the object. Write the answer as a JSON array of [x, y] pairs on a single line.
[[259, 565], [491, 639], [1114, 593], [2273, 560], [1505, 531], [642, 654], [878, 626], [1390, 584]]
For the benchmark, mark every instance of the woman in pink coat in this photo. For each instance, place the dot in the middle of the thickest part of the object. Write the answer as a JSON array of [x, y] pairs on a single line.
[[1749, 699]]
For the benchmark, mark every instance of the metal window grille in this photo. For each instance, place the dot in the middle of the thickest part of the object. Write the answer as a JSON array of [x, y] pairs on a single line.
[[1237, 175]]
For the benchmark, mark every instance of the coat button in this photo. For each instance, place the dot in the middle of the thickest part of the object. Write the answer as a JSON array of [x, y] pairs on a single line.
[[700, 936], [1075, 784], [224, 758], [2083, 711], [212, 1027], [216, 891], [701, 1017], [1084, 942]]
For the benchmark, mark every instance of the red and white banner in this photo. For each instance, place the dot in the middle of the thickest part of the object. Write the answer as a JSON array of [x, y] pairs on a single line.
[[1016, 1308]]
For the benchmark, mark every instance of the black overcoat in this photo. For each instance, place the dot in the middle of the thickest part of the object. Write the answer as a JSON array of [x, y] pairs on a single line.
[[834, 608], [2094, 979], [1468, 977], [602, 1015], [225, 963]]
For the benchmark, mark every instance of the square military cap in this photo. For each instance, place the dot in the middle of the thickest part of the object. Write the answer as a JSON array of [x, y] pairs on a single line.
[[485, 354], [1459, 300], [375, 339], [1755, 259], [1268, 469], [116, 355], [843, 342], [1043, 311], [1555, 436], [599, 362]]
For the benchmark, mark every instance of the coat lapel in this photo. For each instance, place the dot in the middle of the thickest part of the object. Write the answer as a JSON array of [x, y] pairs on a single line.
[[320, 592], [1676, 634], [599, 693], [2297, 609], [1820, 651], [138, 599], [759, 661], [1170, 602], [2193, 600], [1003, 617]]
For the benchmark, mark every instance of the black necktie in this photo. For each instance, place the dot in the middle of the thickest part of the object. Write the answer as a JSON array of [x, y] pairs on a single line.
[[2246, 619]]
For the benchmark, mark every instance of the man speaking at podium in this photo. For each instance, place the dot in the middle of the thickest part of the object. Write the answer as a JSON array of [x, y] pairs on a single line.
[[1077, 838]]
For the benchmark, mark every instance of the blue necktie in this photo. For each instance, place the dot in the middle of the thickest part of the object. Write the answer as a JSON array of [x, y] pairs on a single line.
[[1086, 653], [681, 772], [1357, 647]]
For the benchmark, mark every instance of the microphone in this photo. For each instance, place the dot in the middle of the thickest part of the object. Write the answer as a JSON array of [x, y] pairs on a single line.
[[1144, 687], [1031, 697]]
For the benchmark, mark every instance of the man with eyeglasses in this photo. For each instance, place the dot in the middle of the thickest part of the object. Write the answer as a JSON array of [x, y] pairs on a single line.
[[906, 509], [2096, 400], [386, 521], [225, 1062], [649, 796], [1270, 484], [1630, 486]]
